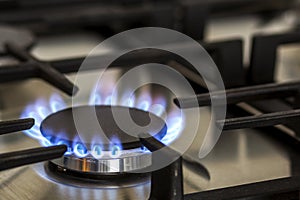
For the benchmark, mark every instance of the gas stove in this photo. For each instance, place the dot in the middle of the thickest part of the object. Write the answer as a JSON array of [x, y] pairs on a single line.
[[60, 138]]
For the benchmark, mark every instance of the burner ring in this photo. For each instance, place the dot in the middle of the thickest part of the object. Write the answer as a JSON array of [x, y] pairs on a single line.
[[92, 180], [127, 162], [126, 156]]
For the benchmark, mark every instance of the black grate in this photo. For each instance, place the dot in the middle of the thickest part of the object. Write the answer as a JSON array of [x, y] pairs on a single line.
[[29, 156]]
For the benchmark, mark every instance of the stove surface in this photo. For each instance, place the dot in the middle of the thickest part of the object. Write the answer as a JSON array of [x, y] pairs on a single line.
[[240, 156]]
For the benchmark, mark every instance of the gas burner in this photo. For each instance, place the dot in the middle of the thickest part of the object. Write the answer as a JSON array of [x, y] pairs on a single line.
[[108, 154], [110, 151]]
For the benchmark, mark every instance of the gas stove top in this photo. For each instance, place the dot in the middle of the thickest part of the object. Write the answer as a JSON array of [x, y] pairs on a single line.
[[51, 149]]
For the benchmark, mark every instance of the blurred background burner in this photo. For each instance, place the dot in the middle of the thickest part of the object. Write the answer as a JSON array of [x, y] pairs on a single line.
[[94, 153]]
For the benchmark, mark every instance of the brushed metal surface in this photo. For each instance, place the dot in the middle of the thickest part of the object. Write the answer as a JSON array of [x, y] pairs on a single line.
[[240, 156]]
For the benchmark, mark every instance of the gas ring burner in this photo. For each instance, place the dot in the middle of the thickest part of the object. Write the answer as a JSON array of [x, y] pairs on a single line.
[[126, 162], [109, 150]]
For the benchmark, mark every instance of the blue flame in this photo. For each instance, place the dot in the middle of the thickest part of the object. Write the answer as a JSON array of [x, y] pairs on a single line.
[[115, 151], [57, 103], [69, 150], [97, 151], [80, 150], [95, 99], [115, 147], [96, 147], [144, 101], [175, 126], [128, 99], [108, 100], [157, 109]]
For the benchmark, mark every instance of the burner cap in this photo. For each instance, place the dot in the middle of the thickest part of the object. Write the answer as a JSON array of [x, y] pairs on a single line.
[[61, 126]]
